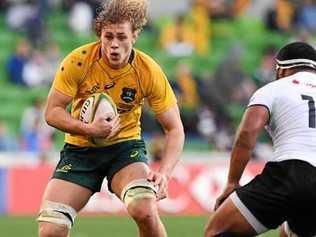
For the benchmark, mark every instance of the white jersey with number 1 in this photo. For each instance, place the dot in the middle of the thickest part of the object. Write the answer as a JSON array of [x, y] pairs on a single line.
[[292, 124]]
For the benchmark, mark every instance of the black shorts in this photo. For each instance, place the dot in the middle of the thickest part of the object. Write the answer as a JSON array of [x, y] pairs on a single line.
[[284, 191], [88, 166]]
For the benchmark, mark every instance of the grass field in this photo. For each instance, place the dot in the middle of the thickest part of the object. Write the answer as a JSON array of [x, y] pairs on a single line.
[[107, 227]]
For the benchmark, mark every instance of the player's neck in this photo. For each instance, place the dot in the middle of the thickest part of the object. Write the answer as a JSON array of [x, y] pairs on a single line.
[[115, 67], [291, 71], [309, 70], [302, 70]]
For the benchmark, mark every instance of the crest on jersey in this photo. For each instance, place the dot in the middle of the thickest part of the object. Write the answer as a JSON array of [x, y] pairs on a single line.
[[128, 94]]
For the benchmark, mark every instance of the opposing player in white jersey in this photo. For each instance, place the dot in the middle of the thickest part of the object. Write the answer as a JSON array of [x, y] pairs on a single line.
[[285, 191]]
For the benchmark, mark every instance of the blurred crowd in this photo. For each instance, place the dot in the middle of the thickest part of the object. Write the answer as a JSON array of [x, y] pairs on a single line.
[[210, 103], [35, 135]]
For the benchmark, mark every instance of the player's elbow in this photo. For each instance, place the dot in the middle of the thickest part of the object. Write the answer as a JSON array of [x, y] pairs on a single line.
[[49, 117], [181, 133], [178, 132]]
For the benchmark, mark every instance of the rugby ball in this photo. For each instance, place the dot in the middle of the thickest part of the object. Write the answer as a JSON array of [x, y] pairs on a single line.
[[96, 106]]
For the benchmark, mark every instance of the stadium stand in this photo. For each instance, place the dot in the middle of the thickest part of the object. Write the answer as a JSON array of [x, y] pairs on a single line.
[[247, 34]]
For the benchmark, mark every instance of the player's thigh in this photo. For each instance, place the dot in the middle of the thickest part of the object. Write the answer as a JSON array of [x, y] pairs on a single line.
[[131, 172], [67, 193], [228, 218]]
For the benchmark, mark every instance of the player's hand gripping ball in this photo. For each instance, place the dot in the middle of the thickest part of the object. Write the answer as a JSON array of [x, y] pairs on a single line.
[[96, 106]]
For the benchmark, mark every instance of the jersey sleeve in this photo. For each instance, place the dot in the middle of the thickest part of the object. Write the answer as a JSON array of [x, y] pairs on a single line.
[[263, 96], [68, 75], [161, 96]]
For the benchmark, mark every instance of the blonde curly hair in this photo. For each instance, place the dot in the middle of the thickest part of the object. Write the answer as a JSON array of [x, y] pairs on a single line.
[[119, 11]]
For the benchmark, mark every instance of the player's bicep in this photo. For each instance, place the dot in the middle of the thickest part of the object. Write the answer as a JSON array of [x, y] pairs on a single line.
[[170, 119], [252, 123], [56, 100], [255, 118]]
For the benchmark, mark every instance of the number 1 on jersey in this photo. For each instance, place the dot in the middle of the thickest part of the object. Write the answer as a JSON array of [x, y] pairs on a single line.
[[311, 111]]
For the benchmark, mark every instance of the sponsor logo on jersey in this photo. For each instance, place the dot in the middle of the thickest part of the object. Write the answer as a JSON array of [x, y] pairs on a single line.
[[128, 94], [310, 85], [94, 89]]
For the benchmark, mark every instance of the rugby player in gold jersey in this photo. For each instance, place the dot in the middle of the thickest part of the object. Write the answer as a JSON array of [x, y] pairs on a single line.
[[129, 76]]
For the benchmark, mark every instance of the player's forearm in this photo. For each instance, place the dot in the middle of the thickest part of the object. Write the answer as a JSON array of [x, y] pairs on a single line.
[[173, 148], [62, 120], [241, 155], [238, 162]]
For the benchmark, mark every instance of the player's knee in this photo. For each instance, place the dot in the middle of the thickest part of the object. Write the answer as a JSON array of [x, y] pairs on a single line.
[[140, 199], [47, 229], [143, 211], [55, 219], [138, 190]]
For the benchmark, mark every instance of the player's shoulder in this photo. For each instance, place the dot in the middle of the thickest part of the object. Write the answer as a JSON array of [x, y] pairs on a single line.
[[289, 82], [302, 75], [145, 62], [280, 83], [84, 55], [283, 86], [269, 87]]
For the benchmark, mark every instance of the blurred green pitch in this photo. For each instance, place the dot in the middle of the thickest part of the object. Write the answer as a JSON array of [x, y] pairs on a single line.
[[108, 226]]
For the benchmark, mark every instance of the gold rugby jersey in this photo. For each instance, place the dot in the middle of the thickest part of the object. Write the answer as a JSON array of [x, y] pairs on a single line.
[[83, 72]]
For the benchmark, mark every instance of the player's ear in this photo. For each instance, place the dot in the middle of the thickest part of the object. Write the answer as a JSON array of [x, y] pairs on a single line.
[[280, 73], [135, 35]]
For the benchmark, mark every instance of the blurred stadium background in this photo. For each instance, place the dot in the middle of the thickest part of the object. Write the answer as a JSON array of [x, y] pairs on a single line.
[[216, 53]]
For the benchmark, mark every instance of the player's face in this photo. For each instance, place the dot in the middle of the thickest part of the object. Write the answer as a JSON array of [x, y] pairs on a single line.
[[116, 44]]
